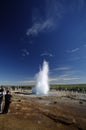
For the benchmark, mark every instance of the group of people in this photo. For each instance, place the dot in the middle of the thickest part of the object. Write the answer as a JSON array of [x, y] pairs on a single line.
[[6, 96]]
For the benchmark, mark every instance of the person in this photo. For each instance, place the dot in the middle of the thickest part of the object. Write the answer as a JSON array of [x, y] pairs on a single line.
[[8, 97], [1, 99]]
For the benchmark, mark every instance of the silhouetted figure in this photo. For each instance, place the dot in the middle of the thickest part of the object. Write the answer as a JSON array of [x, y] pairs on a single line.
[[7, 101], [1, 99]]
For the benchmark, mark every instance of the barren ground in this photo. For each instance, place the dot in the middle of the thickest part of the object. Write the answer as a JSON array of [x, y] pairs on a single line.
[[60, 111]]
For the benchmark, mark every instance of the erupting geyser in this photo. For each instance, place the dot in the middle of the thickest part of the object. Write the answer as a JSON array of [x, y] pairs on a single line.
[[42, 81]]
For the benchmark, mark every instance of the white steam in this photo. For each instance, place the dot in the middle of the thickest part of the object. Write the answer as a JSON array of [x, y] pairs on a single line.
[[42, 81]]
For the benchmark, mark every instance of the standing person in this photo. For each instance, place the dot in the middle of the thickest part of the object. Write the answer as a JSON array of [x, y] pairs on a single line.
[[1, 99], [7, 101]]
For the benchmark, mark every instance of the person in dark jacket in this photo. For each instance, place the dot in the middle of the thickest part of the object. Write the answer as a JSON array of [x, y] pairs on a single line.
[[1, 99], [8, 97]]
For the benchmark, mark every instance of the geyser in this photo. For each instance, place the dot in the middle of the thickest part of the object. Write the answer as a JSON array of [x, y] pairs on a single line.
[[42, 81]]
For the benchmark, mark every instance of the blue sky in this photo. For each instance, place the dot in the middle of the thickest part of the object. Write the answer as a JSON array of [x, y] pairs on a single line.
[[34, 30]]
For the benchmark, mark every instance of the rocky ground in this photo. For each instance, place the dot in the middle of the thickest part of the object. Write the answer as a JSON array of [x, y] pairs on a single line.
[[58, 111]]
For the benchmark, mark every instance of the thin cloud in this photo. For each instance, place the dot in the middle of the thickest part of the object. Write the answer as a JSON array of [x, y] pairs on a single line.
[[71, 78], [63, 79], [62, 68], [39, 27], [84, 45], [47, 54], [27, 81], [53, 79], [73, 50], [25, 52], [21, 82], [66, 75], [53, 13]]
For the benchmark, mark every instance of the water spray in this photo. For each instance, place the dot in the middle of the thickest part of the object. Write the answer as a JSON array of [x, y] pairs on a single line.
[[42, 80]]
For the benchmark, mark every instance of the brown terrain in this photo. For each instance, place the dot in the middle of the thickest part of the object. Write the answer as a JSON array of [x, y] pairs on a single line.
[[31, 112]]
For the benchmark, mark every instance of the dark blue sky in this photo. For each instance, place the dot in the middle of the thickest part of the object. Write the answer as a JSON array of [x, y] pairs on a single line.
[[34, 30]]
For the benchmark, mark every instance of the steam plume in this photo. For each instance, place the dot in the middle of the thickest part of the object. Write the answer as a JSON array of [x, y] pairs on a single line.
[[42, 84]]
